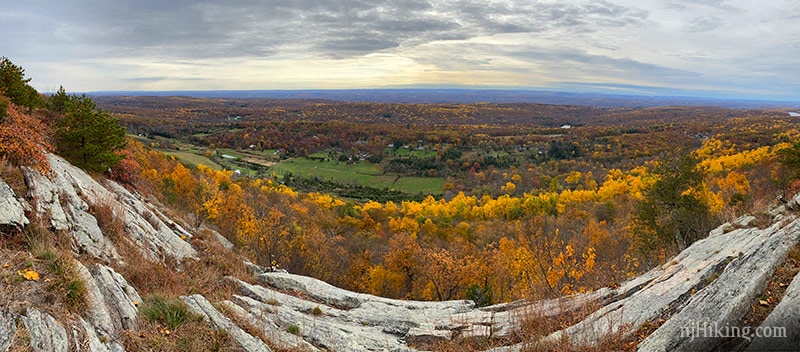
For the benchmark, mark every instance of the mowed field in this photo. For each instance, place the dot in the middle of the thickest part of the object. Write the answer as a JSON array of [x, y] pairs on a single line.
[[361, 173]]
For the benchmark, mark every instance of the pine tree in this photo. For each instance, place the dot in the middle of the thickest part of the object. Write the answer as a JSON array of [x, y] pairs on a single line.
[[58, 101], [88, 137], [14, 85]]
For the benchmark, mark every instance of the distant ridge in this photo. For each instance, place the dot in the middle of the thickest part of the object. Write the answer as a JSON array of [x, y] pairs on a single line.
[[467, 96]]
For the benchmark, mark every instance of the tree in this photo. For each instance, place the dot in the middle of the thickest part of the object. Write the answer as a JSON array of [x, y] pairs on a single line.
[[789, 161], [14, 85], [88, 137], [58, 101], [672, 211]]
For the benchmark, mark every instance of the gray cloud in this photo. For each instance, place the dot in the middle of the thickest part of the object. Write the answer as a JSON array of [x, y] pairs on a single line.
[[685, 43], [337, 29], [703, 24]]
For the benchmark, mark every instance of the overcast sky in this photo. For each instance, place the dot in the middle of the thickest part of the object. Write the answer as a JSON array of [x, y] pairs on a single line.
[[737, 48]]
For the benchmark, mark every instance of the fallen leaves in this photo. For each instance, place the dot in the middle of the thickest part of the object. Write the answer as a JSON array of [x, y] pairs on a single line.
[[29, 274]]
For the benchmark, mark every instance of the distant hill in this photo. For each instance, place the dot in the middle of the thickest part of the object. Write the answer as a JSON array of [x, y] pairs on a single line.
[[468, 96]]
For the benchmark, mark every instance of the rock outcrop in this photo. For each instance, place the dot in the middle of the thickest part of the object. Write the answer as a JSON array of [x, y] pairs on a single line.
[[202, 306], [11, 212], [727, 299], [44, 332], [8, 330], [787, 316], [65, 196], [713, 281]]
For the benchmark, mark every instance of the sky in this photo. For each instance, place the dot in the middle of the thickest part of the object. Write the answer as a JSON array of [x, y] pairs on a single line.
[[713, 48]]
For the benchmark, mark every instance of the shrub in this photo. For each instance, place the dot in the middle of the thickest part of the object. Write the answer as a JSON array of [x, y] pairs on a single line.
[[482, 296], [23, 140]]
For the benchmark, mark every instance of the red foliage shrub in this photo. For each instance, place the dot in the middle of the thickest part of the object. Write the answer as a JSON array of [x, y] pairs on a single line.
[[128, 169], [23, 140]]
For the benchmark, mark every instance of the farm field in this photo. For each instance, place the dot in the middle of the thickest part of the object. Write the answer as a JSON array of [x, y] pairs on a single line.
[[360, 173]]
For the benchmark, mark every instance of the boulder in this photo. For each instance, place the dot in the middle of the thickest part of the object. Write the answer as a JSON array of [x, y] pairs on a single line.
[[61, 198], [66, 194], [113, 301], [92, 340], [146, 227], [12, 214], [279, 338]]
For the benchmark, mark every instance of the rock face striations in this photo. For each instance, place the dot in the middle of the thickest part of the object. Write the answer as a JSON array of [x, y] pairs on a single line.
[[711, 283]]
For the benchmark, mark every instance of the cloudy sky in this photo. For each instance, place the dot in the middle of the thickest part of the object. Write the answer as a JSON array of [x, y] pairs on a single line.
[[727, 48]]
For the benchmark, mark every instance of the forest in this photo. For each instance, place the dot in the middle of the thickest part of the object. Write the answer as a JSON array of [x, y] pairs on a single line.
[[490, 202]]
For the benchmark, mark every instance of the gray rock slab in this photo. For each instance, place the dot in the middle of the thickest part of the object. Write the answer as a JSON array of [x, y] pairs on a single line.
[[8, 329], [725, 301], [11, 211], [670, 286], [200, 305], [144, 225], [45, 333]]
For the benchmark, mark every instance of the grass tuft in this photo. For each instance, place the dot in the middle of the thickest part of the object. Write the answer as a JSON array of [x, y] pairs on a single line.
[[293, 329], [171, 312]]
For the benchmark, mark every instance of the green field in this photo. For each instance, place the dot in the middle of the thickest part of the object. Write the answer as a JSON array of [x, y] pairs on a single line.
[[361, 173], [407, 152], [194, 159], [424, 185]]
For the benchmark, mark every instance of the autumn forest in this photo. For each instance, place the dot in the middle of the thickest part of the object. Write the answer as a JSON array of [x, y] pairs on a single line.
[[482, 201], [489, 202]]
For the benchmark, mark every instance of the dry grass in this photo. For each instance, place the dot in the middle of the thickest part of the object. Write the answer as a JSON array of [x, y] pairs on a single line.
[[20, 341], [203, 276], [534, 325], [191, 336], [63, 280], [110, 217], [59, 291], [13, 177]]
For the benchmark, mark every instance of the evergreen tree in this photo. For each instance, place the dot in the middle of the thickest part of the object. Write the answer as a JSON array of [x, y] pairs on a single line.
[[58, 101], [14, 85], [88, 137], [672, 214]]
